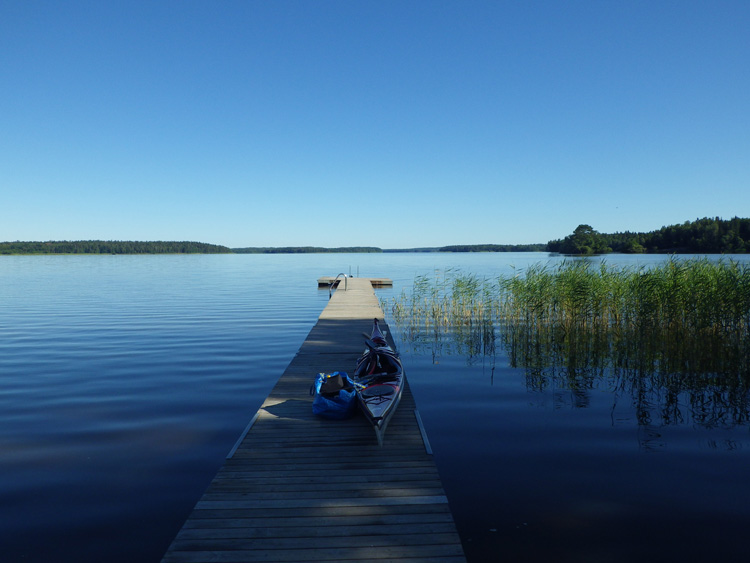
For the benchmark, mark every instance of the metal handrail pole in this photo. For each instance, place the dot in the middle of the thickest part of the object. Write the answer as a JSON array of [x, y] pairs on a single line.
[[330, 287]]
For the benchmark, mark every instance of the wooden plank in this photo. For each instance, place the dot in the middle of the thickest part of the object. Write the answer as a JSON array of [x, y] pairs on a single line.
[[250, 485], [321, 512], [365, 554], [299, 488], [316, 542], [301, 523], [310, 531]]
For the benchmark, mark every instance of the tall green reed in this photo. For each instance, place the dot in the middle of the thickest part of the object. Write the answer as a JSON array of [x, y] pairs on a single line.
[[690, 316], [667, 335]]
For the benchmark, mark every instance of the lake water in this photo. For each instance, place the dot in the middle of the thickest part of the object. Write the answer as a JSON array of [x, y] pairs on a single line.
[[125, 380]]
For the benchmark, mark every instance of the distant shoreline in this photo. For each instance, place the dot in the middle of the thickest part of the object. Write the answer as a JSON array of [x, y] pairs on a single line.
[[372, 249], [702, 236], [55, 248]]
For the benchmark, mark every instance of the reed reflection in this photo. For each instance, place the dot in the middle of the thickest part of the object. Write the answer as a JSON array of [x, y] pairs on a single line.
[[674, 339]]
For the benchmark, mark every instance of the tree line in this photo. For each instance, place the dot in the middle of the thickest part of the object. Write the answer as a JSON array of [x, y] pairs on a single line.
[[302, 249], [702, 236], [494, 248], [111, 247]]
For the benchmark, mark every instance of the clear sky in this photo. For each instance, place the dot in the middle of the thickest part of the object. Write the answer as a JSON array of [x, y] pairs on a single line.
[[384, 123]]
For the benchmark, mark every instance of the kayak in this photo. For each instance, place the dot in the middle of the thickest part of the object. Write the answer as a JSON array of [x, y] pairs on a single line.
[[379, 381]]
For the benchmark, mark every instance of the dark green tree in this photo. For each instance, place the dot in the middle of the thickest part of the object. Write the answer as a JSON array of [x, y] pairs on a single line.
[[584, 241]]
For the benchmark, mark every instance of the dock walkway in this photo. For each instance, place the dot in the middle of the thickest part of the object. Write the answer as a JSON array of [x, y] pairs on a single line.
[[301, 488]]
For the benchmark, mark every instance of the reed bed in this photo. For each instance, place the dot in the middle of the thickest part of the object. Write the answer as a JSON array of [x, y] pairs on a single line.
[[451, 301], [684, 317]]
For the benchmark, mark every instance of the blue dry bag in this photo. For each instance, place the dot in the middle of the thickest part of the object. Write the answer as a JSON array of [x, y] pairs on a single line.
[[334, 395]]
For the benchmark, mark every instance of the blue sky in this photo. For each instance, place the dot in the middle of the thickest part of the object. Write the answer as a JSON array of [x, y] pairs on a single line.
[[395, 124]]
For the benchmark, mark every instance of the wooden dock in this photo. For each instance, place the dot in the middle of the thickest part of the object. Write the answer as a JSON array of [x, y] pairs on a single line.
[[300, 488], [326, 281]]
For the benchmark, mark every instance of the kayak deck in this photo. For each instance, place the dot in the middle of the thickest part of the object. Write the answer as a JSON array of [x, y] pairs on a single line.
[[379, 379]]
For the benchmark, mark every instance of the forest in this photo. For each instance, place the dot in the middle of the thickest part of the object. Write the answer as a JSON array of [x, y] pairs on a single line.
[[110, 247], [702, 236], [494, 248], [302, 249]]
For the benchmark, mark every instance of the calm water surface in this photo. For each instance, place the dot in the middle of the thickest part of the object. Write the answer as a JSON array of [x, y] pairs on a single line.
[[125, 380]]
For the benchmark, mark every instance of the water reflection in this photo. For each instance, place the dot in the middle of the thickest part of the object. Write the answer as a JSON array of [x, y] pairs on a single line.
[[664, 380], [593, 421]]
